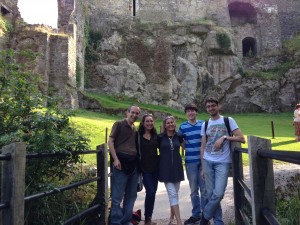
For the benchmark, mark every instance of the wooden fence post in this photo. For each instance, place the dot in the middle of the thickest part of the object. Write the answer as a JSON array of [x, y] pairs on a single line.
[[13, 184], [102, 171], [237, 173], [261, 178]]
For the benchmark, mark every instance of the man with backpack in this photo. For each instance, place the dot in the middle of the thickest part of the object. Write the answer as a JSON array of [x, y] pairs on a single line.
[[190, 130], [217, 133]]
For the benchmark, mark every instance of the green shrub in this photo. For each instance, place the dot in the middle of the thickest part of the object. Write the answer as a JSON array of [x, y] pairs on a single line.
[[240, 68], [5, 25], [292, 46], [223, 40], [288, 211], [23, 118]]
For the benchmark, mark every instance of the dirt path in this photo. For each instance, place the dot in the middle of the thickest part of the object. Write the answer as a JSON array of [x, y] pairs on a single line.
[[161, 210]]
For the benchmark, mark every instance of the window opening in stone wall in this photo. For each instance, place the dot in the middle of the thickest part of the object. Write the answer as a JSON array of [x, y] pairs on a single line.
[[242, 13], [249, 47], [4, 10]]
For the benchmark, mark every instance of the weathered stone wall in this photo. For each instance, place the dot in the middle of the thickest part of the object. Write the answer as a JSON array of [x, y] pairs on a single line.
[[65, 9], [266, 30], [62, 66], [264, 27], [289, 14], [166, 10], [55, 61], [79, 21], [8, 10], [37, 41], [9, 4], [71, 20]]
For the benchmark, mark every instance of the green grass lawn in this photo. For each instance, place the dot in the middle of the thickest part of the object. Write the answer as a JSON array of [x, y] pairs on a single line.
[[94, 125]]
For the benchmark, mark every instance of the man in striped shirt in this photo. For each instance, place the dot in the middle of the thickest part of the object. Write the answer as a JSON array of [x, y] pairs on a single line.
[[191, 130]]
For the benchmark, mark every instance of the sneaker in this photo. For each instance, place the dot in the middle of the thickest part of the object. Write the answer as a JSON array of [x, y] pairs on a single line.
[[192, 220], [204, 221]]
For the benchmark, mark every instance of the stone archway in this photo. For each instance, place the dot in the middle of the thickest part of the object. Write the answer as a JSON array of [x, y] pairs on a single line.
[[242, 13], [249, 47]]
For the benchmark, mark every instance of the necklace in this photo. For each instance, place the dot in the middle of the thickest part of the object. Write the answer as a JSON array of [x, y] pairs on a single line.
[[171, 142]]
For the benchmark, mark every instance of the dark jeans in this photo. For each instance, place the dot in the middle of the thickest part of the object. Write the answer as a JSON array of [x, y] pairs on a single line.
[[150, 181], [123, 191]]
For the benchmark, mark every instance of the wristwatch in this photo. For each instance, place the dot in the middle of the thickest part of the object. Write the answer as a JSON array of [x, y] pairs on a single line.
[[225, 137]]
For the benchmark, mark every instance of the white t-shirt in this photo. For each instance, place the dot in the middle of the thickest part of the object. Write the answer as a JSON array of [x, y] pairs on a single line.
[[215, 130], [297, 115]]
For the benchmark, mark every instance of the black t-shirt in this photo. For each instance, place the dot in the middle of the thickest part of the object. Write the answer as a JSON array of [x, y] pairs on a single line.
[[149, 154]]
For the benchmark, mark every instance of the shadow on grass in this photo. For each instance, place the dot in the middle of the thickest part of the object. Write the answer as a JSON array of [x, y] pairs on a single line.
[[283, 143]]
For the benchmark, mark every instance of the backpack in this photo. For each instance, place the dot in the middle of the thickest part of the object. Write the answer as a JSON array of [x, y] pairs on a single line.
[[226, 121]]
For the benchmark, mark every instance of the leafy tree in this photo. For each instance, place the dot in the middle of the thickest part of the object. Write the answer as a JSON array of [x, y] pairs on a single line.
[[23, 117]]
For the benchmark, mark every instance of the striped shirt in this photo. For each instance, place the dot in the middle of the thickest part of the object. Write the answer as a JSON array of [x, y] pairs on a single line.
[[192, 136]]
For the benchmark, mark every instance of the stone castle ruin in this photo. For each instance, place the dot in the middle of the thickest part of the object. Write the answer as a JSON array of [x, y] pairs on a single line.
[[167, 51]]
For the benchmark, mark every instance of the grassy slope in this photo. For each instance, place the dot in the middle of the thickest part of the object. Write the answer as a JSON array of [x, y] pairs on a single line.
[[95, 124]]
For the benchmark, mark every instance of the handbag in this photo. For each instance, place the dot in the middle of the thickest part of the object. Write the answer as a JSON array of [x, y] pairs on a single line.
[[140, 176]]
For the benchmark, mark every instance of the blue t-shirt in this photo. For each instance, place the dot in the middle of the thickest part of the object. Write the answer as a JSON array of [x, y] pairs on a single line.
[[192, 136]]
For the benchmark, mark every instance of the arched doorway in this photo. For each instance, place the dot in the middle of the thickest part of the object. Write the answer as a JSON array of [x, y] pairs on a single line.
[[242, 13], [249, 47]]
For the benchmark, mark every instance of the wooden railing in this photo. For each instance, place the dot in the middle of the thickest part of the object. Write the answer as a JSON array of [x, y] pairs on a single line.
[[13, 197], [259, 193]]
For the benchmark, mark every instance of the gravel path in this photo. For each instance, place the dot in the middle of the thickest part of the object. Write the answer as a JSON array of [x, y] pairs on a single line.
[[161, 210]]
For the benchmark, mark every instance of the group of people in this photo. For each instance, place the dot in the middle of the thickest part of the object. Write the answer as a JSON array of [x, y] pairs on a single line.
[[157, 157]]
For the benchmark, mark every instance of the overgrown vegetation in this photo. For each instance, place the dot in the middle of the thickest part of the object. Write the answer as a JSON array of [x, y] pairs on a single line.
[[5, 25], [288, 210], [223, 40], [24, 118], [273, 74], [240, 68], [92, 41], [292, 46], [291, 50]]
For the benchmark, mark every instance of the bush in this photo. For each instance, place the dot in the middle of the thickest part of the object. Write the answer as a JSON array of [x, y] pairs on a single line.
[[223, 40], [24, 118], [288, 211]]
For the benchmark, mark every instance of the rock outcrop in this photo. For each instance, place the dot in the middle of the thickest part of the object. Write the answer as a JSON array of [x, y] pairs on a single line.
[[173, 64]]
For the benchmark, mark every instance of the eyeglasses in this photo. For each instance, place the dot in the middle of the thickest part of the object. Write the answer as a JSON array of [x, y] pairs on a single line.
[[169, 117], [211, 106]]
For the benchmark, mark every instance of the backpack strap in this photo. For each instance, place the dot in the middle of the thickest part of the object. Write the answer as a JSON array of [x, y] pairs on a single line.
[[205, 127], [226, 121], [227, 124]]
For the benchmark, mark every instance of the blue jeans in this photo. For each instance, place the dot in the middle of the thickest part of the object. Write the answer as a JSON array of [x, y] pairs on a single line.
[[216, 177], [150, 181], [124, 187], [199, 200]]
